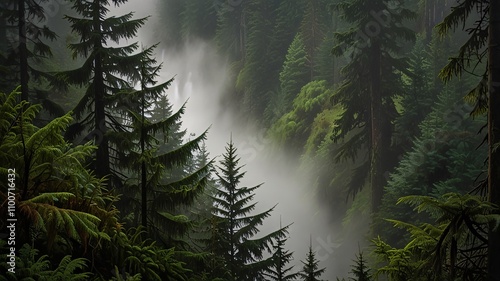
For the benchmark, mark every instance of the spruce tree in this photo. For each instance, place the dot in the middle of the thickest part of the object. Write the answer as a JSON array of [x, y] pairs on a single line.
[[106, 71], [311, 271], [234, 226]]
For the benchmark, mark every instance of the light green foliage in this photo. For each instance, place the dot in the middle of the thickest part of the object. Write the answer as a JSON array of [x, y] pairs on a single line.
[[294, 74], [293, 129]]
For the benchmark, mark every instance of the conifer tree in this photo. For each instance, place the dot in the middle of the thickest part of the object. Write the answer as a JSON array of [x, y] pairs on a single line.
[[360, 270], [372, 47], [106, 71], [26, 48], [311, 271], [234, 226], [294, 74], [281, 257], [160, 194], [483, 34]]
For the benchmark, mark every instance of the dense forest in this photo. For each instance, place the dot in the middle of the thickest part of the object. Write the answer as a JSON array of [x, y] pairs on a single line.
[[385, 108]]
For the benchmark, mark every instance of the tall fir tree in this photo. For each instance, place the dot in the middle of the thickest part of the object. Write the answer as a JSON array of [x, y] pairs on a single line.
[[106, 71], [311, 270], [234, 227], [373, 48]]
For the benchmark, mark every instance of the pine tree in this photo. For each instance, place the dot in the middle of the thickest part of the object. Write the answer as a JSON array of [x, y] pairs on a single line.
[[106, 71], [372, 47], [311, 271], [234, 227]]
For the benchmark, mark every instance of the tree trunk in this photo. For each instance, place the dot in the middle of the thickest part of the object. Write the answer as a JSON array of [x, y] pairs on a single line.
[[102, 155], [376, 167], [494, 136], [23, 51]]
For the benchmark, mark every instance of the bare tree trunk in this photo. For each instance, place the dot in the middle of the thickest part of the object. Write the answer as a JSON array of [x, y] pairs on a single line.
[[376, 172], [494, 135], [23, 50]]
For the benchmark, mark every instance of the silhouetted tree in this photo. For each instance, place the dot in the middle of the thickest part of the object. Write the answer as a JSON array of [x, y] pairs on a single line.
[[234, 227]]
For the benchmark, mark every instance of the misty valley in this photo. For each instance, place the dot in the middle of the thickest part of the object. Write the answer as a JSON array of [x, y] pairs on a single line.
[[225, 140]]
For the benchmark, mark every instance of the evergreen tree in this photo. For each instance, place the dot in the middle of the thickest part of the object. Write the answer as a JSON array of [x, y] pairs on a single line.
[[312, 28], [234, 227], [281, 257], [25, 48], [106, 71], [294, 74], [199, 19], [253, 81], [373, 48], [360, 270], [483, 35], [311, 271], [161, 194]]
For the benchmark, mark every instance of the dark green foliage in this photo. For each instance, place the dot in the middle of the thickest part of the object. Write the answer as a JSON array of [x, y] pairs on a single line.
[[311, 271], [234, 226], [31, 266], [157, 194], [373, 48], [199, 19], [360, 269], [25, 50], [443, 159], [454, 247]]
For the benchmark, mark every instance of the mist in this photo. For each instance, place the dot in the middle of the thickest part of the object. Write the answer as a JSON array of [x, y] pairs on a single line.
[[201, 77]]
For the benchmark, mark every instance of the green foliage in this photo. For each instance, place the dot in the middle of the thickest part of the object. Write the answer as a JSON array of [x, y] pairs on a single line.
[[454, 247], [294, 128], [58, 197], [31, 266], [294, 74], [442, 159], [137, 255]]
